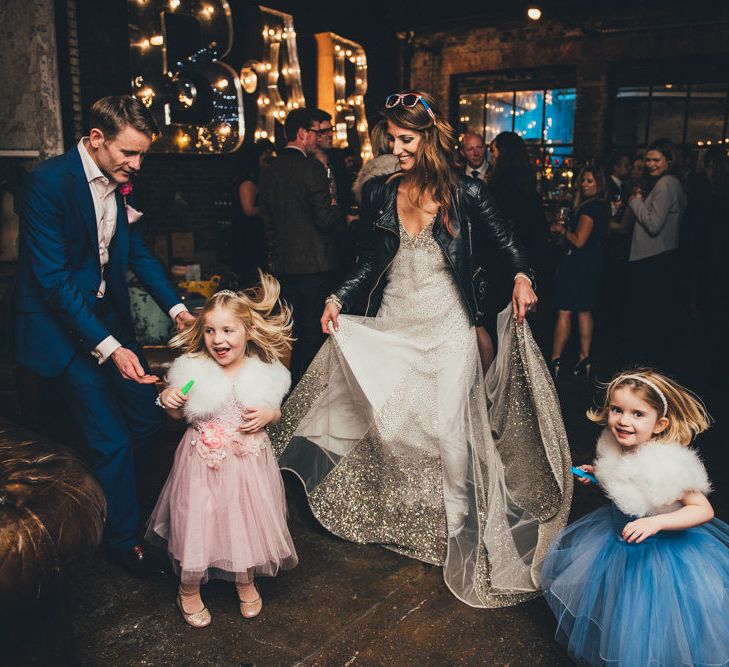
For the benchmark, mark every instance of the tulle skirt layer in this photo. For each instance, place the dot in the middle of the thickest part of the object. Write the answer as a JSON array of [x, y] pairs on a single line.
[[390, 434], [225, 522], [663, 602]]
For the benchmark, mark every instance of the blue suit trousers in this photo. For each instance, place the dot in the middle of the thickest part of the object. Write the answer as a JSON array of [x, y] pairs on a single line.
[[117, 417]]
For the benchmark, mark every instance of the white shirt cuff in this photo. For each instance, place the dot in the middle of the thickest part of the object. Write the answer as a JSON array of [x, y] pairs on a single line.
[[176, 310], [106, 348], [523, 275]]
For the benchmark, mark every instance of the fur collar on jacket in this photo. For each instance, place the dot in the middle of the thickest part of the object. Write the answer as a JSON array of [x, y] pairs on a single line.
[[650, 480], [256, 384]]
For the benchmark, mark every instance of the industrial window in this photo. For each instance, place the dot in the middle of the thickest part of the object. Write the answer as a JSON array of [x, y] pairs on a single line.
[[544, 118], [692, 114]]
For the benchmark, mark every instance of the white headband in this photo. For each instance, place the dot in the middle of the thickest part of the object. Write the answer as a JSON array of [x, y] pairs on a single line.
[[652, 385]]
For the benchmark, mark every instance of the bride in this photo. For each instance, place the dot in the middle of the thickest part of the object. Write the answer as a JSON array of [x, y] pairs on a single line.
[[389, 429]]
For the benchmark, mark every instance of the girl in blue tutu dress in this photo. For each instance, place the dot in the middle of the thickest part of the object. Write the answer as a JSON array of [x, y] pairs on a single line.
[[645, 580]]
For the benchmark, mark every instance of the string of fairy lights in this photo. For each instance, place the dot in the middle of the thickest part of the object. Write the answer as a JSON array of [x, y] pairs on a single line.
[[197, 98]]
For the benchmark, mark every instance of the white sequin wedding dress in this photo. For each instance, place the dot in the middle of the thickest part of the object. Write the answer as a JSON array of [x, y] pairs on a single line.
[[390, 433]]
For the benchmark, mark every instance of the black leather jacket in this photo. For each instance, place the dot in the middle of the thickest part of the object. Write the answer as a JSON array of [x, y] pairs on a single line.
[[476, 221]]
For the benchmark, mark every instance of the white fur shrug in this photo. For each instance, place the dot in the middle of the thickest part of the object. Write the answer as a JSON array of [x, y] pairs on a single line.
[[256, 384], [650, 480]]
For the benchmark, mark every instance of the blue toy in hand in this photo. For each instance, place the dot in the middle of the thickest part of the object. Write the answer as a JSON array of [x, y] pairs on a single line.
[[579, 472]]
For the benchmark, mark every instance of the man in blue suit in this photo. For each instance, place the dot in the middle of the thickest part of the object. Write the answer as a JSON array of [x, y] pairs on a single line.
[[71, 312]]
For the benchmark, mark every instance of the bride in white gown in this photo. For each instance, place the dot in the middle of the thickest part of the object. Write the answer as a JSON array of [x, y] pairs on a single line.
[[389, 428]]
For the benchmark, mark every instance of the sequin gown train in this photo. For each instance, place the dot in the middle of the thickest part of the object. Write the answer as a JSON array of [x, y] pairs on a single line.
[[390, 434]]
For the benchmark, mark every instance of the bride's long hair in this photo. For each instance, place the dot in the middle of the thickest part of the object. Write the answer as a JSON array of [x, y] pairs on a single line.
[[438, 163]]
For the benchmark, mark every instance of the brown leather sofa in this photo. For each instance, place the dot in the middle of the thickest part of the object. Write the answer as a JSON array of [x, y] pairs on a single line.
[[52, 514]]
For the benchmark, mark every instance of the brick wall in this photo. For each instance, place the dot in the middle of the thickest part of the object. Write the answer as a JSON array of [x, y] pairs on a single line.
[[594, 43]]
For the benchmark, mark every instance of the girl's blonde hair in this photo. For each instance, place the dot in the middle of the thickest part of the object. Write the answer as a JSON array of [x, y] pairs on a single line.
[[267, 321], [686, 413], [438, 162]]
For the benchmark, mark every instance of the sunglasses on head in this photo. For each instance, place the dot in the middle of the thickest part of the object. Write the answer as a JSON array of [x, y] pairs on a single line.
[[408, 100]]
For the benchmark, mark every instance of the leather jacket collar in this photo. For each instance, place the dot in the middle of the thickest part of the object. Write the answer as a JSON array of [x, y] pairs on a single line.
[[475, 220]]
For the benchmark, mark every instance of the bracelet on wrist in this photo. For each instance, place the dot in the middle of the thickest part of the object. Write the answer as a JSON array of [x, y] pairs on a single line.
[[333, 298]]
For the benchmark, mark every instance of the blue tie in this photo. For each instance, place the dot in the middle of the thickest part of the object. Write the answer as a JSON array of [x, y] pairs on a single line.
[[474, 173]]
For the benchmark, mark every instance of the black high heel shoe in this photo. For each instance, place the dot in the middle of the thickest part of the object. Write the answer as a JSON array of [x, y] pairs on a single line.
[[554, 368], [583, 367]]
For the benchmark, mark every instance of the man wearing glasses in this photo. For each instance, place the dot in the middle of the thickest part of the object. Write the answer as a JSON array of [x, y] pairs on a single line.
[[300, 218]]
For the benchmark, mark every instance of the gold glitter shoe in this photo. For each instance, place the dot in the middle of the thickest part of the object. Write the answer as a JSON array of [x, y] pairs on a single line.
[[253, 608], [197, 619]]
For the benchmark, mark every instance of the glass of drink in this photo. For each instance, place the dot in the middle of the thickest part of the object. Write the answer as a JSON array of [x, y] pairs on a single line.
[[563, 213]]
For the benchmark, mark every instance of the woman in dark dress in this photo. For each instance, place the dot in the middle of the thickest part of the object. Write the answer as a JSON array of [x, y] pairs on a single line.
[[512, 182], [579, 271], [249, 241]]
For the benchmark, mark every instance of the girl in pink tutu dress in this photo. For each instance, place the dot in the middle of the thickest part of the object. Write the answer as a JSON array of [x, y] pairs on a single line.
[[222, 511]]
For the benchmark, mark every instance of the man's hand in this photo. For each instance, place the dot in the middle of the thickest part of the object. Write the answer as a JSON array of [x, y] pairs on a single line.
[[184, 319], [130, 368]]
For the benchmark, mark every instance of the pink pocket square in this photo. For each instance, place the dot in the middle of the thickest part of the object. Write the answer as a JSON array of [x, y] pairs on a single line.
[[133, 215]]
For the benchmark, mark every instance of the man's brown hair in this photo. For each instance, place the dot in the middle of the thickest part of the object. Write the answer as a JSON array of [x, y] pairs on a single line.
[[113, 113]]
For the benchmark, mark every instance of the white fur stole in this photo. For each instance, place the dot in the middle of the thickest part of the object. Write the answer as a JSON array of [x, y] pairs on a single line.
[[256, 384], [650, 480]]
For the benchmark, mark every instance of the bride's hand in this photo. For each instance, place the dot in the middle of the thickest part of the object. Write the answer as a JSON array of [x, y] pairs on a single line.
[[330, 314], [523, 298]]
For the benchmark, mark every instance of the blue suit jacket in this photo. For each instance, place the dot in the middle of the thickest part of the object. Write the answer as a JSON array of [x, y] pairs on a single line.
[[59, 270]]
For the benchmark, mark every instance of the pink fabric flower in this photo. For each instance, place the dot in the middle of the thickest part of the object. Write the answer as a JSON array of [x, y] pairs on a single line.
[[213, 435], [249, 443], [125, 189]]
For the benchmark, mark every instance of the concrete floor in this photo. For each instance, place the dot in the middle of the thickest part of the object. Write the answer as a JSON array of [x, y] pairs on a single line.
[[344, 605]]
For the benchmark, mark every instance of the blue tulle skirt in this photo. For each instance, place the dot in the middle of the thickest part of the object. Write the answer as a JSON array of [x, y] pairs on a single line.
[[663, 602]]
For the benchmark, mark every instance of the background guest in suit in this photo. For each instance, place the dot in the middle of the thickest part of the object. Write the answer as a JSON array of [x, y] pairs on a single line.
[[618, 168], [474, 150], [340, 184], [249, 241], [72, 318], [300, 218]]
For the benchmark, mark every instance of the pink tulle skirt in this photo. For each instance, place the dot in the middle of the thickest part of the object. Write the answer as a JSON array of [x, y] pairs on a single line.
[[225, 517]]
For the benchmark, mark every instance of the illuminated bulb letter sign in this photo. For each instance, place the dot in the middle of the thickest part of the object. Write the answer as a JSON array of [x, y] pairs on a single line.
[[176, 50], [279, 65], [176, 46], [339, 57]]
